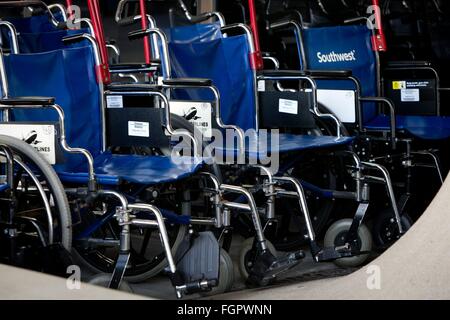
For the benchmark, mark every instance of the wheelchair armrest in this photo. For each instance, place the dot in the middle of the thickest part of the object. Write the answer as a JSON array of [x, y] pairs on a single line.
[[134, 67], [329, 73], [408, 64], [188, 82], [283, 73], [391, 105], [138, 34], [27, 101], [132, 87]]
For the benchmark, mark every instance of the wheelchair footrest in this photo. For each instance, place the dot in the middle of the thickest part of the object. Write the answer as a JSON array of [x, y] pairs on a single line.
[[267, 267], [331, 254], [198, 262]]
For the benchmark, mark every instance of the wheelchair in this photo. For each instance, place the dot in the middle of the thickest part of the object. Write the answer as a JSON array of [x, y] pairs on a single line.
[[234, 52], [111, 168], [407, 136]]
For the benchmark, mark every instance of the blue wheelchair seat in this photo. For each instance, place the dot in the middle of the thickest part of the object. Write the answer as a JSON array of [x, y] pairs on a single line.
[[111, 169], [3, 187], [422, 127], [259, 146]]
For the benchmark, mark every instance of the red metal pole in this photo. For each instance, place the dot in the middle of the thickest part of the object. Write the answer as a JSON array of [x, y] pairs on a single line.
[[68, 5], [144, 25], [103, 70], [256, 58], [379, 39]]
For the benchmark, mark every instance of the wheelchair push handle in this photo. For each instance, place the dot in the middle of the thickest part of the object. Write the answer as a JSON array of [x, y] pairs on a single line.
[[202, 17], [22, 4], [138, 34], [128, 21]]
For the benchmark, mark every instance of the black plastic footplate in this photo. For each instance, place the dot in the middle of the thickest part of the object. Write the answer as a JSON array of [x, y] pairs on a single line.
[[267, 267], [198, 262]]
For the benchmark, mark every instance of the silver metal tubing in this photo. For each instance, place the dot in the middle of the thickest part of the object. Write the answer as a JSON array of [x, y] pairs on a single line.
[[43, 195], [203, 16], [358, 167], [69, 149], [247, 31], [154, 37], [63, 140], [115, 49], [270, 193], [236, 205], [217, 198], [390, 190], [238, 130], [162, 230], [253, 211], [435, 159], [144, 223], [122, 199], [165, 50], [3, 78], [216, 93], [302, 202], [276, 65], [204, 221], [298, 35], [12, 34], [98, 63], [167, 113], [35, 224], [88, 22], [274, 60], [129, 76], [120, 6], [391, 106], [316, 110], [357, 84], [60, 8], [436, 75], [93, 41]]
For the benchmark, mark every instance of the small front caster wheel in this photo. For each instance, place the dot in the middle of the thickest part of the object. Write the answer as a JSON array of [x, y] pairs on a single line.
[[247, 256], [336, 236]]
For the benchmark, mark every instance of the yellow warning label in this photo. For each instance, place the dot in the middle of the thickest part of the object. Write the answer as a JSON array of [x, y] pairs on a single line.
[[398, 85]]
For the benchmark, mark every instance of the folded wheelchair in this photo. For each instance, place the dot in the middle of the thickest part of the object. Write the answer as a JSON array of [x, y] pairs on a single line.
[[145, 175], [232, 63]]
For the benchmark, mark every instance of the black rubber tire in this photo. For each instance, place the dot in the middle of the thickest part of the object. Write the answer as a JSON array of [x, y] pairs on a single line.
[[246, 246], [103, 280], [383, 222], [144, 275], [226, 277], [60, 199]]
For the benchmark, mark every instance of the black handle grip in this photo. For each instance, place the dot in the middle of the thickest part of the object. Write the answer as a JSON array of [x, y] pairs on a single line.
[[128, 21], [73, 39], [21, 4], [138, 34], [330, 73], [188, 82], [280, 24]]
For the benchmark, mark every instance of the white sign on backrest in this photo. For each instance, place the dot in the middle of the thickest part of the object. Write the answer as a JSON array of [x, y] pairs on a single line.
[[198, 113], [40, 136], [340, 102]]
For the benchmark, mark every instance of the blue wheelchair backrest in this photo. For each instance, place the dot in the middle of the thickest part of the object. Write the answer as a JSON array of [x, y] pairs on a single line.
[[34, 24], [344, 48], [69, 76], [200, 51]]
